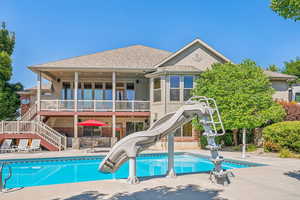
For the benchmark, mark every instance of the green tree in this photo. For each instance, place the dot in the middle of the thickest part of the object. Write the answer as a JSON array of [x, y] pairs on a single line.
[[273, 68], [292, 67], [9, 99], [289, 9], [243, 94]]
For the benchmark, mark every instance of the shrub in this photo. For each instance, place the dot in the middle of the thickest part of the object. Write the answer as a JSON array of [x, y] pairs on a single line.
[[282, 135], [292, 110], [285, 153]]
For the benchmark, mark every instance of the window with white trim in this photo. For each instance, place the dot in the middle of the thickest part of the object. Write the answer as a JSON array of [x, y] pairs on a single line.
[[188, 83], [174, 88], [157, 89], [184, 131]]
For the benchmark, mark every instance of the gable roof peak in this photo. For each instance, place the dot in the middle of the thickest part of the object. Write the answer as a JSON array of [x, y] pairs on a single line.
[[195, 41]]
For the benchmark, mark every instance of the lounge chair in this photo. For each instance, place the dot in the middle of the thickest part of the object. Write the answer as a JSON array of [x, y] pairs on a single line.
[[23, 145], [6, 146], [35, 145]]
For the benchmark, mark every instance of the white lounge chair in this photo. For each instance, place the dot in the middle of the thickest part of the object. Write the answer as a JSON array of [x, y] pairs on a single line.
[[35, 145], [6, 146], [23, 145]]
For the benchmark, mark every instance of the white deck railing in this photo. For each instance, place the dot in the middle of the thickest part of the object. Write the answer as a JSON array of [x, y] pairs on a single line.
[[31, 112], [34, 127], [94, 105]]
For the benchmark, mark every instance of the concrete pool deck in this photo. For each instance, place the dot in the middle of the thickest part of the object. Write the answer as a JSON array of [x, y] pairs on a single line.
[[279, 180]]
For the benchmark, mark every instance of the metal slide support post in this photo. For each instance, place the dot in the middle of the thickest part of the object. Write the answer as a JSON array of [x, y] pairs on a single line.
[[244, 144], [132, 178], [171, 171]]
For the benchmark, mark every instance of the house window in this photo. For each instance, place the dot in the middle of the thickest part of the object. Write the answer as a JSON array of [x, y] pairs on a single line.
[[184, 131], [157, 90], [80, 91], [25, 101], [66, 92], [132, 127], [108, 91], [98, 92], [130, 93], [88, 91], [90, 131], [297, 97], [187, 130], [187, 87], [174, 88]]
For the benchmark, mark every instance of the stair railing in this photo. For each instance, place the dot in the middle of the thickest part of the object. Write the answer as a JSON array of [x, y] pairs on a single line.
[[32, 111], [36, 127]]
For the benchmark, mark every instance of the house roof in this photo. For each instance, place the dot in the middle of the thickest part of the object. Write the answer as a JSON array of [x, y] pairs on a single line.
[[175, 69], [133, 56], [277, 75], [45, 87], [197, 40]]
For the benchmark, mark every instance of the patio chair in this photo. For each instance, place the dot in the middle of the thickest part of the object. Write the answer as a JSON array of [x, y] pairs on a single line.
[[35, 145], [6, 146], [23, 145]]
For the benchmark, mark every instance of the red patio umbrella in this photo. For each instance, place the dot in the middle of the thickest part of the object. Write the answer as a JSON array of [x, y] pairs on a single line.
[[92, 122]]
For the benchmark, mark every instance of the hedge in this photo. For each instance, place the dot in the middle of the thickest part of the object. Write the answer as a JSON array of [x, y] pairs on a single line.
[[282, 135]]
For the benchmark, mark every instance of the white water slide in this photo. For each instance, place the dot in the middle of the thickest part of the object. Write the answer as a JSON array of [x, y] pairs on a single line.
[[204, 109]]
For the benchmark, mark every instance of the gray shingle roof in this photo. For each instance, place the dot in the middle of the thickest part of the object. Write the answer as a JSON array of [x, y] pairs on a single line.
[[178, 68], [132, 56], [278, 75]]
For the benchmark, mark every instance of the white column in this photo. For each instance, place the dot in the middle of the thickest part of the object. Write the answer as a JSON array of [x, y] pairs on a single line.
[[244, 144], [76, 142], [171, 171], [114, 104], [38, 93], [75, 91], [132, 178]]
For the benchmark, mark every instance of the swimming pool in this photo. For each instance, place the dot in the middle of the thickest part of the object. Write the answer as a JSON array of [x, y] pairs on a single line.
[[47, 171]]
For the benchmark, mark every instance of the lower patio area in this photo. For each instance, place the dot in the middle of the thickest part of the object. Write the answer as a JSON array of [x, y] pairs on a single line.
[[280, 179]]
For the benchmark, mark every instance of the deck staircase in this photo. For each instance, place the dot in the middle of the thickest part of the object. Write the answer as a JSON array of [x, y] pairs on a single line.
[[29, 127]]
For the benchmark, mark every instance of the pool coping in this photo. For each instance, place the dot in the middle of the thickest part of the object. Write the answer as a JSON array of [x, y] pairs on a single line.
[[63, 158]]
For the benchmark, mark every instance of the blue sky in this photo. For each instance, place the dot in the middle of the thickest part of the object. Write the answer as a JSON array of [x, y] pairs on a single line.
[[54, 29]]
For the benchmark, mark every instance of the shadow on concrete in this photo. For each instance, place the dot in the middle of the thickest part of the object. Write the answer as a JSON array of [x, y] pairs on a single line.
[[294, 174], [188, 192]]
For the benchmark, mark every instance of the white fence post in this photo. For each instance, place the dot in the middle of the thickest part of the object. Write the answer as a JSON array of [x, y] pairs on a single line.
[[18, 126], [57, 105], [132, 105]]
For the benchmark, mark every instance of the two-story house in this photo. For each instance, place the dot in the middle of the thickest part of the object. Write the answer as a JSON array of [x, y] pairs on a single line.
[[126, 88]]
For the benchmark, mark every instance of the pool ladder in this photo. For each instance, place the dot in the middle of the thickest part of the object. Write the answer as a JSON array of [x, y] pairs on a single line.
[[3, 184]]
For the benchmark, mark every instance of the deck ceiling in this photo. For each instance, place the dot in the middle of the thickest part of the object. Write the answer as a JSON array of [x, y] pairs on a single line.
[[54, 75]]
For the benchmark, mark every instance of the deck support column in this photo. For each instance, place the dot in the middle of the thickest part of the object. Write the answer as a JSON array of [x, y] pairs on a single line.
[[171, 171], [132, 178], [38, 94], [113, 107], [75, 142]]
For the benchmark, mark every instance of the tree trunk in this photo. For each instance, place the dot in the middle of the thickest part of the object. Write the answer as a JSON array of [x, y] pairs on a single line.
[[235, 136]]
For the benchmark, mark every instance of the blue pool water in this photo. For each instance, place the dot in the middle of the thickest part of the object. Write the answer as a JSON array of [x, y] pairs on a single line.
[[34, 172]]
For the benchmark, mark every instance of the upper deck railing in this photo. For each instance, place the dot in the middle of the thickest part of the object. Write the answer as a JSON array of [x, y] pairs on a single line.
[[95, 105]]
